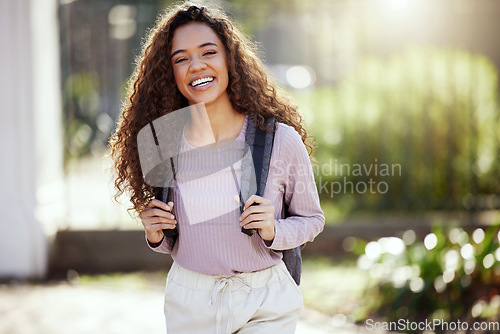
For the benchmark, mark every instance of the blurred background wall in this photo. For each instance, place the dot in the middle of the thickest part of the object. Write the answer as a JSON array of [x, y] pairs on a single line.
[[31, 131]]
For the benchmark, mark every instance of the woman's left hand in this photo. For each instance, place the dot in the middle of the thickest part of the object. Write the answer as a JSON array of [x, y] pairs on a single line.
[[260, 217]]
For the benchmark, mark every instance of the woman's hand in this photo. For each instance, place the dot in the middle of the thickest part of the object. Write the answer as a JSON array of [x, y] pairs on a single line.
[[156, 217], [260, 217]]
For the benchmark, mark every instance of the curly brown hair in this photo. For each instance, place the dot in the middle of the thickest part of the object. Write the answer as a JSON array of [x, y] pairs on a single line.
[[152, 92]]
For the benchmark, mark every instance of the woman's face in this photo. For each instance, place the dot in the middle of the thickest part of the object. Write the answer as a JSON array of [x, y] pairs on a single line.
[[199, 62]]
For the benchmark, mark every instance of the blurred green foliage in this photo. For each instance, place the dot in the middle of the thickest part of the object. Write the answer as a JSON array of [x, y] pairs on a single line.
[[81, 99], [450, 275], [421, 125]]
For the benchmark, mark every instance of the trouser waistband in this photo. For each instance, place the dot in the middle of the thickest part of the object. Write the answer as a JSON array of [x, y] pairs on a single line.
[[194, 280]]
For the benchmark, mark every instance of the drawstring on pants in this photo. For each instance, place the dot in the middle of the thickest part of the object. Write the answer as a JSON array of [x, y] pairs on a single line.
[[222, 290]]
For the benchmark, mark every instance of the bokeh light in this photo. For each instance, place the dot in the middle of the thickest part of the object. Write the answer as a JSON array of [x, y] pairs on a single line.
[[478, 235], [430, 241], [467, 251], [299, 77], [373, 250], [417, 284], [488, 261], [409, 237]]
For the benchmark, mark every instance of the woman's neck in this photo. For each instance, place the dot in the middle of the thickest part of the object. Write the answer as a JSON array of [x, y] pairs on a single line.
[[213, 124]]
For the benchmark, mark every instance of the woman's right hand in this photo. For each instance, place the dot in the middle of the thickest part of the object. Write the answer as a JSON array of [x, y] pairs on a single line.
[[156, 217]]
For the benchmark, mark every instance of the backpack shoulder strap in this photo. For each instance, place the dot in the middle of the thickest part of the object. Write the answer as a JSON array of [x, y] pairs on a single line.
[[161, 193], [261, 154], [255, 166]]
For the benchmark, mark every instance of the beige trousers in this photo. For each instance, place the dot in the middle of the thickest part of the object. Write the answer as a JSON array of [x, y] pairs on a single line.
[[262, 302]]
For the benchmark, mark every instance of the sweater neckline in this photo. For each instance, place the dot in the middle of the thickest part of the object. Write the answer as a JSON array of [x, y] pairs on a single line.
[[239, 138]]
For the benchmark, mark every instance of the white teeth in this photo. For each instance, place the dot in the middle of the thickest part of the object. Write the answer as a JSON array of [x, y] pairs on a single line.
[[201, 81]]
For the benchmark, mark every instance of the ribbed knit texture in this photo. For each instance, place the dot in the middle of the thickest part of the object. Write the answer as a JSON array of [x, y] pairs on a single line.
[[210, 238]]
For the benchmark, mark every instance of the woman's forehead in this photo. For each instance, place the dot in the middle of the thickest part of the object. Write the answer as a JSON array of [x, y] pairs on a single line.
[[193, 34]]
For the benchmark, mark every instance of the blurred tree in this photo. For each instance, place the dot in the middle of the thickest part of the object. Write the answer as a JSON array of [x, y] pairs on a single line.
[[81, 95], [99, 41]]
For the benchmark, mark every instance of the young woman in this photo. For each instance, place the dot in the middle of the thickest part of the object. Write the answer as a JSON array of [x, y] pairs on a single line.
[[222, 280]]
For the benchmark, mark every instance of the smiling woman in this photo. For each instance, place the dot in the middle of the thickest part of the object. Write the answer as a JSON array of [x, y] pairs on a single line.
[[222, 280], [200, 66]]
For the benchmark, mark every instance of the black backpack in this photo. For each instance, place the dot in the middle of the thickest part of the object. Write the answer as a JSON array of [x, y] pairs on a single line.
[[260, 143]]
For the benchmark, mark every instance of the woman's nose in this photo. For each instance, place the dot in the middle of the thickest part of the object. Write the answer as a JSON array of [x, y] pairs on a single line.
[[197, 64]]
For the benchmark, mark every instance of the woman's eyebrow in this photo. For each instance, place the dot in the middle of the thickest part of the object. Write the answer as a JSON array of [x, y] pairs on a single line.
[[200, 46]]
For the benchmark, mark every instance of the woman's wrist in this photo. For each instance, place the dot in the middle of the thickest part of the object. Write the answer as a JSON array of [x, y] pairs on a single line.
[[268, 237], [268, 243], [155, 244]]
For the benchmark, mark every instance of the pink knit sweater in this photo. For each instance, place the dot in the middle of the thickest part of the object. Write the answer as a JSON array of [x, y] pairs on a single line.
[[207, 213]]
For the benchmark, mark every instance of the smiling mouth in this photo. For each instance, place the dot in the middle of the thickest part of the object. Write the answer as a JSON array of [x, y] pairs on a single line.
[[202, 82]]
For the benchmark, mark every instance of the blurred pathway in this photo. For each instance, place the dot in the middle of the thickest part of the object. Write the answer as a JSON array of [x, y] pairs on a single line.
[[64, 308]]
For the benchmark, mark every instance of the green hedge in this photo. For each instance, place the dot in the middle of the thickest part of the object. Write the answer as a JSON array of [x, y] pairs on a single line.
[[420, 128]]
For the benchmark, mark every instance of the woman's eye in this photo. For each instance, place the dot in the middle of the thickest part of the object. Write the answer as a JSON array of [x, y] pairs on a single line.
[[209, 53], [179, 60]]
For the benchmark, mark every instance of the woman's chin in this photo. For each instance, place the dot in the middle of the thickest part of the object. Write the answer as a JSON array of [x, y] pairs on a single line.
[[207, 100]]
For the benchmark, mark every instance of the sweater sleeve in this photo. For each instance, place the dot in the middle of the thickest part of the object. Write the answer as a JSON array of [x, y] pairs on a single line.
[[305, 219], [165, 246]]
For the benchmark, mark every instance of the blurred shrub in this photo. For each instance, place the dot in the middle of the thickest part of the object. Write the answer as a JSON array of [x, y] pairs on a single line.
[[417, 130], [86, 127], [450, 274]]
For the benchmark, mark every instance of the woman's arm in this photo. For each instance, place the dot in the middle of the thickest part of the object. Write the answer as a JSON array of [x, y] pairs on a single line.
[[305, 218]]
